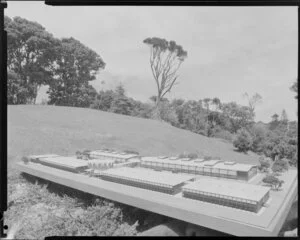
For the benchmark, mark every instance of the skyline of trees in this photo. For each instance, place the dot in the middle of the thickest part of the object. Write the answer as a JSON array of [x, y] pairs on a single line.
[[36, 58]]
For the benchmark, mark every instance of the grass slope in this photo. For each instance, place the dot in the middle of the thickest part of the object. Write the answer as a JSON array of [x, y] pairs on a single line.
[[37, 129]]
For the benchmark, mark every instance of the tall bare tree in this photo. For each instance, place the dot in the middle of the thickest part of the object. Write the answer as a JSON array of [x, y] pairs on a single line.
[[253, 101], [165, 60]]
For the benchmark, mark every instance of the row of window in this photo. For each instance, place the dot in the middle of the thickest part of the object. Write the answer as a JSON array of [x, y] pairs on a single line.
[[137, 180], [219, 196], [223, 202], [190, 168], [107, 157]]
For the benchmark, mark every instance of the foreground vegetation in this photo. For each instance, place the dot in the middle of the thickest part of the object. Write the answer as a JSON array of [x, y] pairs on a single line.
[[37, 209]]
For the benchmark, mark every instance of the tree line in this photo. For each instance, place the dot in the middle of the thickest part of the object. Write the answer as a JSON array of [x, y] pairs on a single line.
[[36, 58]]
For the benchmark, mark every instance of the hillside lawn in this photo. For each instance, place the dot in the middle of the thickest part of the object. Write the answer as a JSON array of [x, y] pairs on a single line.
[[39, 129], [44, 209]]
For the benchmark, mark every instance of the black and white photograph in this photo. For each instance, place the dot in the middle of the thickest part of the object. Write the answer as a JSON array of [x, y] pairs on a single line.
[[151, 120]]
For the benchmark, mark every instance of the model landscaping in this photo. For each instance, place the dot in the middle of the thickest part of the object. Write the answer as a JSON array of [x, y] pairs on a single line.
[[223, 195]]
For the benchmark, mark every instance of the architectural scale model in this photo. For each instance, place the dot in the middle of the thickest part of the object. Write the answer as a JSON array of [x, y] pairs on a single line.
[[222, 195]]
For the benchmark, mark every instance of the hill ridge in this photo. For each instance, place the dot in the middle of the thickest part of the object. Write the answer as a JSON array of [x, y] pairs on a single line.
[[38, 129]]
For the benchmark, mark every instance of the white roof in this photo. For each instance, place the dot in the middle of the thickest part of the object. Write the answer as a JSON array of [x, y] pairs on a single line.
[[211, 162], [69, 162], [173, 158], [154, 177], [235, 167], [154, 159], [112, 154], [198, 160], [43, 156], [229, 163], [218, 164], [185, 159], [231, 189]]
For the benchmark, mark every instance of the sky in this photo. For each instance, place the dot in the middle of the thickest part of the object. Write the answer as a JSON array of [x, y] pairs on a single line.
[[231, 50]]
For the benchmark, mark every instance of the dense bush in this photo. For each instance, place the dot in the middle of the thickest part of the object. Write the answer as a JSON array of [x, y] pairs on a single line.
[[273, 181], [25, 160], [259, 134], [265, 163], [168, 113], [224, 134], [131, 152], [192, 155], [243, 140], [37, 211], [280, 165]]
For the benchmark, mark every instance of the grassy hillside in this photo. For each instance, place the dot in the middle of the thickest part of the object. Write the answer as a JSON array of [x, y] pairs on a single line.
[[37, 129]]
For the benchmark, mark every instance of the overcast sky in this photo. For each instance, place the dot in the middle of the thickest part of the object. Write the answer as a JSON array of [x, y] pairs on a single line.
[[231, 50]]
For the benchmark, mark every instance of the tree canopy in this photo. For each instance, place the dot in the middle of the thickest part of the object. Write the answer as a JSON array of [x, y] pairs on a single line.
[[294, 88], [29, 58], [165, 60], [76, 65]]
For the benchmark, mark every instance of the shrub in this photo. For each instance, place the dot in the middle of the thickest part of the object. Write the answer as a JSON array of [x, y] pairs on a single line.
[[25, 160], [294, 160], [192, 155], [78, 155], [223, 134], [258, 134], [273, 181], [280, 165], [86, 154], [166, 113], [131, 152], [265, 163], [208, 158], [243, 141], [38, 212]]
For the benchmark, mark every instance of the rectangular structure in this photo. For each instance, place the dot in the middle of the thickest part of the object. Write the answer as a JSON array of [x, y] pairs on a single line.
[[118, 157], [151, 180], [36, 158], [232, 194], [65, 163], [229, 220], [214, 168]]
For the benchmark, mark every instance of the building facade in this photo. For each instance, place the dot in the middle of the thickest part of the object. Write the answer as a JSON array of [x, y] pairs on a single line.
[[213, 168], [147, 179], [241, 196]]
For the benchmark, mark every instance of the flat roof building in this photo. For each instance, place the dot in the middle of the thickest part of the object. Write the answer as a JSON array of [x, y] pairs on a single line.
[[232, 194], [148, 179], [65, 163], [113, 155], [214, 168], [36, 158]]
